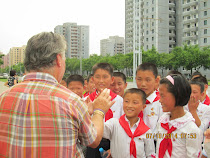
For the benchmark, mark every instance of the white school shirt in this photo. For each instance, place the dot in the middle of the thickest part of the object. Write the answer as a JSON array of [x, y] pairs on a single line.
[[203, 112], [152, 112], [117, 107], [120, 141], [187, 138]]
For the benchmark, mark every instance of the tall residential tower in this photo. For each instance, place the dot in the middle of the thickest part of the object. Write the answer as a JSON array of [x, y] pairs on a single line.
[[165, 24], [77, 37]]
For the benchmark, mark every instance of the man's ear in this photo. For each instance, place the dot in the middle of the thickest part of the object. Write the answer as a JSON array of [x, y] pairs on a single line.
[[58, 60]]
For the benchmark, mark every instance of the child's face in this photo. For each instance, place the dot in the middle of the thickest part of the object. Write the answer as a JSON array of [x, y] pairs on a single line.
[[196, 92], [102, 79], [146, 81], [118, 86], [132, 105], [167, 99], [91, 86], [63, 82], [76, 87]]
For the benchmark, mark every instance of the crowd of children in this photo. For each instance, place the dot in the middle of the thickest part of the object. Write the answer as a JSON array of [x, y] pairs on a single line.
[[160, 118]]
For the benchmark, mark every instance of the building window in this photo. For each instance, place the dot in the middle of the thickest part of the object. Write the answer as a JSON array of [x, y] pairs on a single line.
[[205, 31], [195, 16], [153, 9], [188, 9], [152, 38], [205, 22], [188, 17], [153, 31], [152, 1], [188, 1], [205, 13], [152, 23], [205, 40], [152, 16], [204, 4], [147, 32], [147, 39]]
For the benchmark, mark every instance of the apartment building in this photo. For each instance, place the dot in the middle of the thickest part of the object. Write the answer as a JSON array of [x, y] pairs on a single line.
[[165, 24], [112, 46], [5, 60], [16, 55], [77, 37]]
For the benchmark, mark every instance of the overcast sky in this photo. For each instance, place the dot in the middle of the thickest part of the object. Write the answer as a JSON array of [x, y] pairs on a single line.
[[21, 19]]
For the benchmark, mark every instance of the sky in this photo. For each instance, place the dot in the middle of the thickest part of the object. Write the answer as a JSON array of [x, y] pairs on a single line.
[[21, 19]]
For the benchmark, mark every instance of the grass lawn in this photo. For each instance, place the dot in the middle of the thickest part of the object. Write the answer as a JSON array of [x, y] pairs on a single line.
[[3, 79]]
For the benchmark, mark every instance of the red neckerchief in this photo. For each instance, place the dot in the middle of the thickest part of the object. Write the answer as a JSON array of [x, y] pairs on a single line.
[[86, 94], [141, 129], [109, 113], [207, 100], [148, 102], [166, 143]]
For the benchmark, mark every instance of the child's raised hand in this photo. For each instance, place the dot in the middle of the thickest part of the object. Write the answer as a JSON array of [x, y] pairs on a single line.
[[207, 134], [193, 104], [90, 105]]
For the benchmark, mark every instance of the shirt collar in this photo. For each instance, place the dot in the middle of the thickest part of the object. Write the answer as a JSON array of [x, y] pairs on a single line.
[[39, 76], [152, 97], [135, 125]]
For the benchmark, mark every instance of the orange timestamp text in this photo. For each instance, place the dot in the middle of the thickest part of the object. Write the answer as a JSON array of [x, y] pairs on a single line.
[[171, 135]]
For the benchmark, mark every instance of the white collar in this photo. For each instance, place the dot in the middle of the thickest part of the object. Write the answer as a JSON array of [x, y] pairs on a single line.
[[179, 122], [152, 97]]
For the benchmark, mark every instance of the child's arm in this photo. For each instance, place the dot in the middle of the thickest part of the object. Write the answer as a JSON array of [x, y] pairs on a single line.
[[207, 142], [193, 142], [149, 147], [108, 128]]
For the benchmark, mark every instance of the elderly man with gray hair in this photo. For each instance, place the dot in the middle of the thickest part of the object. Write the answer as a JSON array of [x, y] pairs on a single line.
[[41, 118]]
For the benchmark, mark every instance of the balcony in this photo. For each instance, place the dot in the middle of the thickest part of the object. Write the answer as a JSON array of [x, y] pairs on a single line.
[[172, 12], [187, 38], [171, 27], [172, 42], [171, 4], [195, 11], [190, 21], [172, 35], [172, 19], [190, 29], [190, 4]]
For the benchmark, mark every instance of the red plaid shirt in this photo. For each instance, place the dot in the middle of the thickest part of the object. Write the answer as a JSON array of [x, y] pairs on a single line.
[[40, 118]]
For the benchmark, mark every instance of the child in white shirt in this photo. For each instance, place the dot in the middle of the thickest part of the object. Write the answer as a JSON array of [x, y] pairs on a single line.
[[178, 135], [129, 136]]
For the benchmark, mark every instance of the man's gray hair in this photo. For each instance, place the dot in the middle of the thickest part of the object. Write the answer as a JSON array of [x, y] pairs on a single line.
[[42, 49]]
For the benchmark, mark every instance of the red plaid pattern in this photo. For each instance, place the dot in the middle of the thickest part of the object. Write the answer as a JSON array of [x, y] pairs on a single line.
[[40, 118]]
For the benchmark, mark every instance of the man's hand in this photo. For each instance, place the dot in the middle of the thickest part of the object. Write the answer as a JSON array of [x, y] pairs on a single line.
[[103, 101]]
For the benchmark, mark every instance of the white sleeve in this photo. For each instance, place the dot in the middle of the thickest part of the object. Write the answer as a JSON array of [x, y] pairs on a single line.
[[149, 146], [205, 120], [108, 128], [193, 143]]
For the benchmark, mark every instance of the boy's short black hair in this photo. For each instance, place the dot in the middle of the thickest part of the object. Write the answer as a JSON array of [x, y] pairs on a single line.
[[121, 75], [200, 79], [200, 84], [104, 66], [181, 89], [148, 66], [196, 73], [174, 72], [12, 73], [137, 91], [75, 77], [88, 78]]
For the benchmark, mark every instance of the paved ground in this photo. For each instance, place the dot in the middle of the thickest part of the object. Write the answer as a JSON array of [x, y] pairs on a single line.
[[130, 85]]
